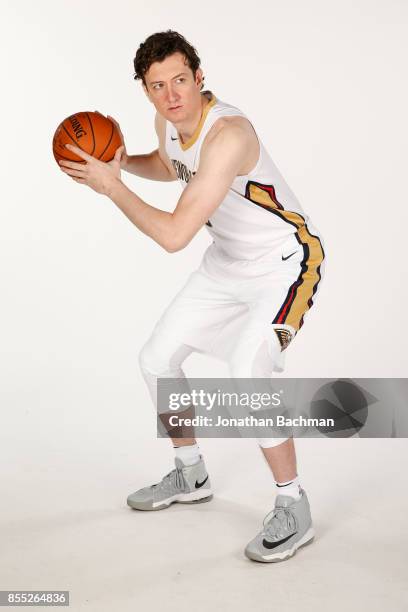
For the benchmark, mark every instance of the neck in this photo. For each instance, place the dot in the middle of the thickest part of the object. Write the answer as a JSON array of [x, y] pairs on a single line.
[[187, 128]]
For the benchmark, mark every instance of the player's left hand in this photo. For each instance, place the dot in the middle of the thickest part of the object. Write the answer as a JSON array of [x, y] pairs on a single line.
[[99, 176]]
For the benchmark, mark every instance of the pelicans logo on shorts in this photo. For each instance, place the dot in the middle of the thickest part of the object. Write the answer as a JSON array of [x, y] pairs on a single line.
[[284, 337]]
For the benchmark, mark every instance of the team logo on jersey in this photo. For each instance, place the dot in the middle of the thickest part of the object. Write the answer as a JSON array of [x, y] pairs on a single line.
[[183, 173], [284, 337]]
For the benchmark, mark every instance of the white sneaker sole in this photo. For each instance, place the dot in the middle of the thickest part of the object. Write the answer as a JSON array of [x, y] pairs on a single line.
[[195, 497], [184, 498]]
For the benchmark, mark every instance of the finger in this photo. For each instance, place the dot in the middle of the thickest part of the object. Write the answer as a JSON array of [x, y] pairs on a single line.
[[76, 173], [79, 152], [77, 180], [118, 153], [74, 165]]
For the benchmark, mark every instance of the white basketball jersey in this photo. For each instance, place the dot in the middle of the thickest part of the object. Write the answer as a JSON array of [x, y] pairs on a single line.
[[259, 212]]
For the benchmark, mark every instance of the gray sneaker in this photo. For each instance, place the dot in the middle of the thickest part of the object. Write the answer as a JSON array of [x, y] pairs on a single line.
[[288, 527], [187, 484]]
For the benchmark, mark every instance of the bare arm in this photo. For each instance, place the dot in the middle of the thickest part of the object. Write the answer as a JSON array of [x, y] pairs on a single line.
[[156, 165], [148, 166], [220, 162]]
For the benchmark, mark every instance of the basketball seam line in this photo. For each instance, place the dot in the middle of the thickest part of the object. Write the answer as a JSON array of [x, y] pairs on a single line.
[[93, 135], [107, 146], [74, 141]]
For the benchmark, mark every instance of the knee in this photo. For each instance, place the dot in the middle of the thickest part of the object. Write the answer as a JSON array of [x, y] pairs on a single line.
[[162, 356], [150, 358]]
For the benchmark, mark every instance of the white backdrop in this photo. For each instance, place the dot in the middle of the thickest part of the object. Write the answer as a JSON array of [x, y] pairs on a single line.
[[324, 83], [82, 287]]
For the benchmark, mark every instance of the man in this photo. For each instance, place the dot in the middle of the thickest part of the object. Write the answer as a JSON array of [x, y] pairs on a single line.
[[255, 283]]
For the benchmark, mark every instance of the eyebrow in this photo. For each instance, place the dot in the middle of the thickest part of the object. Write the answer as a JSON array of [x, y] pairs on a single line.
[[175, 77]]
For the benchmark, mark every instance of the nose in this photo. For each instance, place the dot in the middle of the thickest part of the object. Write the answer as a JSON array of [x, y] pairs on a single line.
[[172, 95]]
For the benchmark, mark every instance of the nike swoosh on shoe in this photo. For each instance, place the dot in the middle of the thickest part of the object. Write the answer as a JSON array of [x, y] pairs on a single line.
[[271, 545], [200, 484]]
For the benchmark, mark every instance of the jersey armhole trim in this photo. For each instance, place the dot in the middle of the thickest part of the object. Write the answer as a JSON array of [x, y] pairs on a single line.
[[259, 162]]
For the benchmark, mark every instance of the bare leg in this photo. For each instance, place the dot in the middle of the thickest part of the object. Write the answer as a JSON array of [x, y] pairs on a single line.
[[183, 441], [184, 435], [282, 460]]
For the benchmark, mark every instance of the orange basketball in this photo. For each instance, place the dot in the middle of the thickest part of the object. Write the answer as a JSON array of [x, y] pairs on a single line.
[[92, 132]]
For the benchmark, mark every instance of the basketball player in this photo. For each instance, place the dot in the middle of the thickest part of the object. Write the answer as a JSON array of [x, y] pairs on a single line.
[[255, 283]]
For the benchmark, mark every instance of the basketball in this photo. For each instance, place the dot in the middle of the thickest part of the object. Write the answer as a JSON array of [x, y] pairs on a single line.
[[92, 132]]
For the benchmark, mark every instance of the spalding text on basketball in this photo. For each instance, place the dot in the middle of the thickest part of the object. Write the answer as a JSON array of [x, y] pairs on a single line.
[[77, 127]]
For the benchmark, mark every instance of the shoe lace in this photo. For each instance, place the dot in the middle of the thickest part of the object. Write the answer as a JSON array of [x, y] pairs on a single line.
[[174, 479], [280, 523]]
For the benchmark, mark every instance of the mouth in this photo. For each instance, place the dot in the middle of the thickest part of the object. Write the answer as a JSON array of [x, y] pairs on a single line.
[[173, 108]]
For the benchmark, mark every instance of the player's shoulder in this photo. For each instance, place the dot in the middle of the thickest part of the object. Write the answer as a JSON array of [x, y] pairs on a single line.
[[230, 124], [234, 130]]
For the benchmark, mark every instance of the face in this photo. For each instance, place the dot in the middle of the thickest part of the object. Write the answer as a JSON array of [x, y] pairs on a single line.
[[173, 89]]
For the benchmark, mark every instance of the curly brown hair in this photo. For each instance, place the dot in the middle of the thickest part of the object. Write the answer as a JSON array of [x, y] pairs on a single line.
[[159, 46]]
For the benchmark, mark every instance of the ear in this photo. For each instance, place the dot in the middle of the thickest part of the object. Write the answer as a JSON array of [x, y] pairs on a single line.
[[199, 77]]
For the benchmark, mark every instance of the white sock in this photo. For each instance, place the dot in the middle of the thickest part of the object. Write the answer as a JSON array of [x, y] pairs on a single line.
[[291, 487], [188, 454]]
